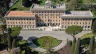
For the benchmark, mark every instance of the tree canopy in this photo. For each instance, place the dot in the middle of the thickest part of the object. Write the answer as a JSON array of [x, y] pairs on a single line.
[[25, 3], [73, 4], [15, 31], [73, 30], [4, 7]]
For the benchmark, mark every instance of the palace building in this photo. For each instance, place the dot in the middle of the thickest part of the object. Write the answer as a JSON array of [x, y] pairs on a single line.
[[49, 15]]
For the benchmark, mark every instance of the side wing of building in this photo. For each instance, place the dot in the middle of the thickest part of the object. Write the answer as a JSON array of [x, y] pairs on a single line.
[[80, 18], [24, 19]]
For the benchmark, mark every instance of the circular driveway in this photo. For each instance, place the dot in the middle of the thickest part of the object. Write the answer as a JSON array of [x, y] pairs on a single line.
[[60, 35]]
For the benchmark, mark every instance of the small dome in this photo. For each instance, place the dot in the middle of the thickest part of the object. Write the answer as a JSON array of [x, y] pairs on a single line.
[[48, 3]]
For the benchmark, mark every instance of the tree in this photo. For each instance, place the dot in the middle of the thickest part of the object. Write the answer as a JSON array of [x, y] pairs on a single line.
[[27, 50], [91, 1], [25, 3], [6, 5], [73, 30], [14, 43], [69, 42], [73, 45], [9, 40], [73, 4], [2, 27], [77, 47], [79, 1], [15, 31], [91, 45], [94, 27]]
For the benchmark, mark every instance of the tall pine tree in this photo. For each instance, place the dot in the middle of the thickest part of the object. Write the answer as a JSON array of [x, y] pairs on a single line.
[[91, 45], [94, 27], [9, 39], [73, 45], [14, 43], [77, 47], [27, 50]]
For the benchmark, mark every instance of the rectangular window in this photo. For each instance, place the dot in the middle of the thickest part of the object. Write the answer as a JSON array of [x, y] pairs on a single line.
[[80, 22], [88, 26], [85, 22], [13, 22], [71, 22], [68, 22], [30, 22], [77, 22], [8, 22], [89, 22]]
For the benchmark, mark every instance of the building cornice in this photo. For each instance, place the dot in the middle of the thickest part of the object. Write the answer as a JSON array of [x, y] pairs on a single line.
[[19, 17], [77, 17], [47, 10]]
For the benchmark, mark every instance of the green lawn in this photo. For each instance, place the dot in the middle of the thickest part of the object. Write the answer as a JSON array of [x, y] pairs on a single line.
[[88, 1], [88, 35], [18, 6], [40, 41], [22, 42]]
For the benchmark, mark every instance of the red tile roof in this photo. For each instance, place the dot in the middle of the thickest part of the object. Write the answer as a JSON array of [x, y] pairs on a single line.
[[21, 13]]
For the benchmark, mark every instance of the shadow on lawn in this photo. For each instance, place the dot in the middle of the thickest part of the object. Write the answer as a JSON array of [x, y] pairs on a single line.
[[20, 37], [35, 43], [14, 8]]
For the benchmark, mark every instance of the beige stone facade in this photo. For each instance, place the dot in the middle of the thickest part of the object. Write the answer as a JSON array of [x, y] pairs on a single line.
[[55, 16], [50, 18], [25, 23], [84, 23], [24, 19]]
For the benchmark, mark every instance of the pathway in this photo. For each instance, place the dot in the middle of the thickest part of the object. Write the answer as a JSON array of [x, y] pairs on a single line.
[[61, 45]]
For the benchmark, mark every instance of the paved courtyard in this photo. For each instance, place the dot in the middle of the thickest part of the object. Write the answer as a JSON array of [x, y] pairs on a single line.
[[61, 35]]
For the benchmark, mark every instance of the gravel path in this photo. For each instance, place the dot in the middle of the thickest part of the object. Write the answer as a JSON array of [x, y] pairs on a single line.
[[61, 45]]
